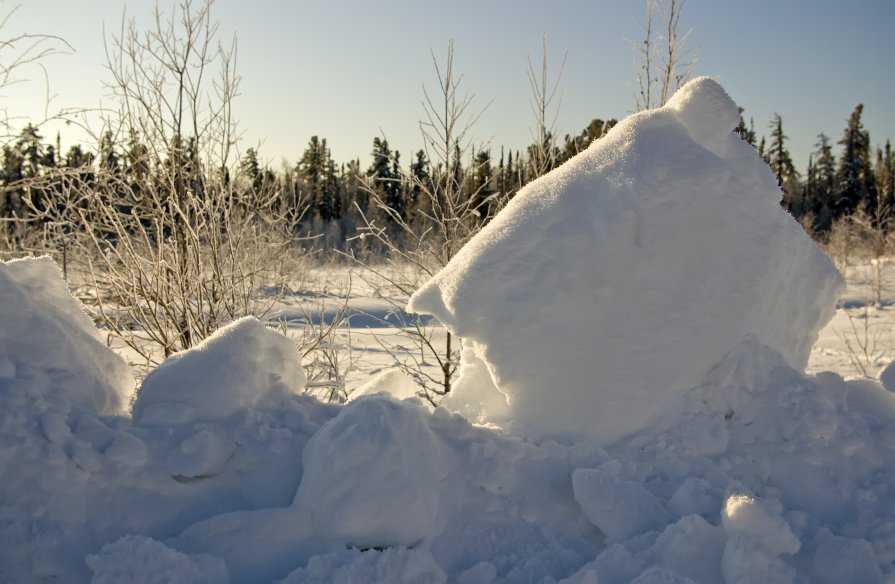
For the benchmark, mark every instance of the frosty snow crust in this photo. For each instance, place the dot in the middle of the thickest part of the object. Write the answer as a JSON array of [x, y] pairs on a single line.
[[615, 283]]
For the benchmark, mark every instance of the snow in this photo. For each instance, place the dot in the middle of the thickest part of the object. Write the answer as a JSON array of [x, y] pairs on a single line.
[[48, 343], [652, 254], [619, 508], [141, 560], [389, 444], [226, 472], [232, 370]]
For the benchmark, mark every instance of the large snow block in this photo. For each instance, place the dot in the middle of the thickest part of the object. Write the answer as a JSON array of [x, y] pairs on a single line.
[[232, 370], [610, 286], [372, 475], [48, 343]]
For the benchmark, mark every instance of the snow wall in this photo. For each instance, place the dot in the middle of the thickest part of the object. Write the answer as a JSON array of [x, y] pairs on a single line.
[[611, 285]]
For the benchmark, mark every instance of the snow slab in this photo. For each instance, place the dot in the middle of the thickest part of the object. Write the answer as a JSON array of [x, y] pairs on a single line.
[[49, 342], [231, 371], [612, 285]]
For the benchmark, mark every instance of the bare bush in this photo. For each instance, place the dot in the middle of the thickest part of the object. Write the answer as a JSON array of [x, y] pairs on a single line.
[[20, 53], [545, 106], [664, 61], [174, 249], [448, 214], [867, 340]]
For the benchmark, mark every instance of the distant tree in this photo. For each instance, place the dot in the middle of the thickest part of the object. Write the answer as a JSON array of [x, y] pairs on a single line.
[[747, 134], [379, 174], [854, 174], [394, 188], [820, 187], [885, 177], [109, 160], [481, 186], [781, 164], [595, 130], [251, 168], [317, 178], [420, 176]]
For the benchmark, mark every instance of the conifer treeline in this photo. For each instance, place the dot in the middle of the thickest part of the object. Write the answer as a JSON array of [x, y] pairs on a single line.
[[840, 178], [835, 184]]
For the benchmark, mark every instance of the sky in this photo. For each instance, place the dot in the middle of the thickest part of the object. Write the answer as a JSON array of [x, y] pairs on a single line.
[[352, 70]]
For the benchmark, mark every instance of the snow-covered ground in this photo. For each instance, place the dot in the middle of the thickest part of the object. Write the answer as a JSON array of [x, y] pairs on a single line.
[[860, 339], [739, 467]]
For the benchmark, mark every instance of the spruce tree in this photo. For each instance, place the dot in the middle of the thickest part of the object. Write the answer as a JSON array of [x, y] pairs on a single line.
[[316, 174], [822, 191], [394, 189], [481, 186], [855, 183], [885, 177], [781, 164], [420, 178], [379, 174]]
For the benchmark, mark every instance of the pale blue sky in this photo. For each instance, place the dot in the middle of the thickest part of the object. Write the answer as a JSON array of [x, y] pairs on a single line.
[[349, 70]]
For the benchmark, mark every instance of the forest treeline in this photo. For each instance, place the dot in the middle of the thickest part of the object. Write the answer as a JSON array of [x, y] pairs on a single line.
[[326, 198], [323, 198]]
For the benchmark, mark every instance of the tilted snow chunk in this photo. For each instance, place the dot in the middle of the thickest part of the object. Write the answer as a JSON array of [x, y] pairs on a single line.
[[239, 365], [610, 286], [47, 341]]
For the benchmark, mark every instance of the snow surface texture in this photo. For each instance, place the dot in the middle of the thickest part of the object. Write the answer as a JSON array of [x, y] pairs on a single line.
[[219, 377], [620, 279], [768, 476]]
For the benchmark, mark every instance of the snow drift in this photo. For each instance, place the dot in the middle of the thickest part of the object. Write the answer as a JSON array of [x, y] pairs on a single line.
[[231, 371], [650, 255], [48, 341]]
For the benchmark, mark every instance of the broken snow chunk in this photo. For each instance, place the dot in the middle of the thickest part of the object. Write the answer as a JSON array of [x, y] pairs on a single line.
[[760, 520], [619, 508], [608, 288], [840, 559], [229, 372], [143, 560], [46, 334], [390, 445]]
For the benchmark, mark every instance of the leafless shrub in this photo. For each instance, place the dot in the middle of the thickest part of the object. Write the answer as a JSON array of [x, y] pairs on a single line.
[[664, 61], [173, 249], [418, 246]]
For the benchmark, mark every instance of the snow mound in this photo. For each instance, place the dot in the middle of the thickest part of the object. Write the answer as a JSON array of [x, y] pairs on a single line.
[[141, 560], [49, 342], [390, 445], [393, 382], [887, 377], [614, 284], [231, 371], [372, 567]]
